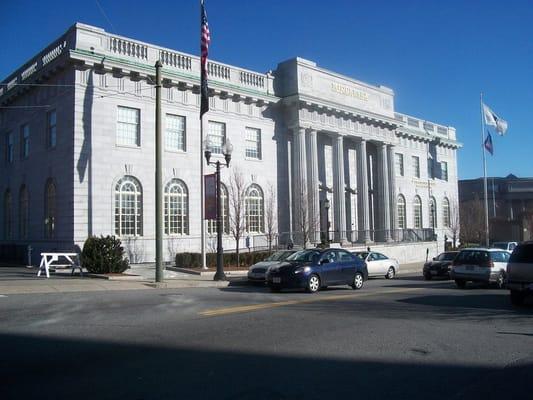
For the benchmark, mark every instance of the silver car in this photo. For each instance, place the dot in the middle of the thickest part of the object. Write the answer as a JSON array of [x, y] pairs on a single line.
[[480, 265], [379, 264], [256, 273]]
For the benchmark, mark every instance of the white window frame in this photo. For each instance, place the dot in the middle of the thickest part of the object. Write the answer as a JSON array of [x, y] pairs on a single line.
[[25, 141], [254, 209], [175, 133], [444, 170], [124, 126], [128, 224], [10, 147], [417, 212], [416, 166], [446, 212], [217, 136], [176, 208], [253, 145], [51, 129], [398, 158], [401, 210]]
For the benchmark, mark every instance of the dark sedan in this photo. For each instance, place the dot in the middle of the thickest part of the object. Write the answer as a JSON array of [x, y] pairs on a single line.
[[440, 265], [317, 268]]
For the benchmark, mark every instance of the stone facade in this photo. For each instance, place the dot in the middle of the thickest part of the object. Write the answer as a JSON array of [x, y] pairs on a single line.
[[318, 135]]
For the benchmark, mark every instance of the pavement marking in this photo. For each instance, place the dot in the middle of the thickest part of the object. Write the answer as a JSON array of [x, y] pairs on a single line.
[[3, 295], [255, 307]]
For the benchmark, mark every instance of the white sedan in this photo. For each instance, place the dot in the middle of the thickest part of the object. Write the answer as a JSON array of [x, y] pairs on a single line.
[[379, 264]]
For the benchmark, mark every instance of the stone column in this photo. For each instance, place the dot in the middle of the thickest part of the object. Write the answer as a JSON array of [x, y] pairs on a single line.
[[312, 187], [362, 191], [384, 196], [338, 189], [392, 194], [299, 182]]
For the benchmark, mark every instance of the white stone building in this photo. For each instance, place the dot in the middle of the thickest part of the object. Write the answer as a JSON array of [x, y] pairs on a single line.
[[77, 125]]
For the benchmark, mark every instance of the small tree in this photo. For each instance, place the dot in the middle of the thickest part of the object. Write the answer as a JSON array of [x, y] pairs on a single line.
[[306, 224], [455, 222], [472, 221], [270, 215], [237, 194], [101, 255]]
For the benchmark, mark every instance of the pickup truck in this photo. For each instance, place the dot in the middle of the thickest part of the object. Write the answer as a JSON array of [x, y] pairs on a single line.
[[520, 272]]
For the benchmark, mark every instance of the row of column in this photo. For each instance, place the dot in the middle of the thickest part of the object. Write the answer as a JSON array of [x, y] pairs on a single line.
[[306, 195]]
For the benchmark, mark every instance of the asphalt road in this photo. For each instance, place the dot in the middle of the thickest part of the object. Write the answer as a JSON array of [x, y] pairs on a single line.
[[400, 339]]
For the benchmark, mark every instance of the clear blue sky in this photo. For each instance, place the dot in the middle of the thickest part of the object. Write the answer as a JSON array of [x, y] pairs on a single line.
[[436, 55]]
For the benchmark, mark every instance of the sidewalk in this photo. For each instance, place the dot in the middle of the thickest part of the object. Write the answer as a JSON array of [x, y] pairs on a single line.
[[21, 280]]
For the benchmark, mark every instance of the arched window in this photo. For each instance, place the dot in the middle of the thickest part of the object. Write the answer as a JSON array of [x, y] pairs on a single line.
[[400, 204], [254, 211], [212, 223], [446, 212], [176, 208], [417, 212], [50, 209], [128, 207], [23, 212], [432, 213], [7, 215]]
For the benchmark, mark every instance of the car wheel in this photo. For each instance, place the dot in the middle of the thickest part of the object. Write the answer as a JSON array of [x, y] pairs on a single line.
[[427, 277], [358, 281], [313, 284], [390, 273], [500, 281], [460, 283]]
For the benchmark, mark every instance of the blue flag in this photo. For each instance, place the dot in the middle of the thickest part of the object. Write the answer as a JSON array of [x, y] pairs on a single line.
[[488, 144]]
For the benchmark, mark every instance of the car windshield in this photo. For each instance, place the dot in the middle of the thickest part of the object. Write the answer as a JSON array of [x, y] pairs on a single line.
[[361, 254], [500, 245], [303, 256], [446, 256], [279, 256]]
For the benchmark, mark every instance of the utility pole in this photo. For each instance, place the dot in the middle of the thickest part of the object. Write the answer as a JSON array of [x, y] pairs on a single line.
[[158, 173]]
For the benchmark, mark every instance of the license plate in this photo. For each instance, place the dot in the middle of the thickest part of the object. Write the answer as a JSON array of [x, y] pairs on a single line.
[[433, 272], [276, 280]]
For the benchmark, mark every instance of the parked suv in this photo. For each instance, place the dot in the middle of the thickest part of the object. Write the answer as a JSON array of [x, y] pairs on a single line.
[[520, 272], [480, 265]]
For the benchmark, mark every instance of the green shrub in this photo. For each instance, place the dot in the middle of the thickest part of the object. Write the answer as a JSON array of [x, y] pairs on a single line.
[[194, 260], [102, 255]]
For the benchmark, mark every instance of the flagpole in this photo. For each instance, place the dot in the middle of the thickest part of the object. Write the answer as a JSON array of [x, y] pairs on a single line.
[[202, 193], [484, 172]]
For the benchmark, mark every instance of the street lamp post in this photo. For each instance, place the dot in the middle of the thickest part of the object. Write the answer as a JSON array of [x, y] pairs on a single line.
[[433, 220], [326, 207], [227, 149]]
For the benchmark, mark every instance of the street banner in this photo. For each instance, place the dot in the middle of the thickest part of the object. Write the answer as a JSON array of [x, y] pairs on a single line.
[[210, 182]]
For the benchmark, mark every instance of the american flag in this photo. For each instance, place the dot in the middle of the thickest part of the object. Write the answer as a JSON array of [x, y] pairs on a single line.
[[205, 39]]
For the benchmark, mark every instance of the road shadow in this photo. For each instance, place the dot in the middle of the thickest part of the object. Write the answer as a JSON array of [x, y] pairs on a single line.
[[54, 368], [18, 273]]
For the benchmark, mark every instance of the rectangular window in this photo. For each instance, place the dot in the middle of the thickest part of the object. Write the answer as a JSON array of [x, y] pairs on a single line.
[[175, 133], [217, 136], [51, 129], [444, 170], [128, 132], [9, 147], [253, 143], [416, 166], [25, 141], [399, 164]]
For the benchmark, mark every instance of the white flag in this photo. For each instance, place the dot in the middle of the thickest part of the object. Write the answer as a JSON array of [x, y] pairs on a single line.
[[491, 119]]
